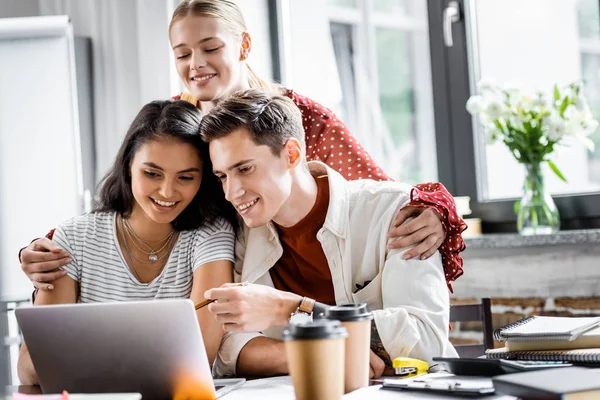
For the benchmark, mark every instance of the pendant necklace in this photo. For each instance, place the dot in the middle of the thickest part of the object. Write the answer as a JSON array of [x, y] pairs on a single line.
[[153, 252]]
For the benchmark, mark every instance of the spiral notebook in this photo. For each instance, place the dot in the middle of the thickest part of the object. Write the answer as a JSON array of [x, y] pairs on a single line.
[[579, 356], [545, 328]]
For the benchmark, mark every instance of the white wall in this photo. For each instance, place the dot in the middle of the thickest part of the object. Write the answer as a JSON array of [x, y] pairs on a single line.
[[19, 8], [40, 177]]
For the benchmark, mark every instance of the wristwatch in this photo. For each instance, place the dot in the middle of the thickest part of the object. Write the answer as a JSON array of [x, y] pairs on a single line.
[[304, 312]]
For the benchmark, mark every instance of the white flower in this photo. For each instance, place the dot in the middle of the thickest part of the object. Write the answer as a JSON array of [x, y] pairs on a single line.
[[588, 143], [490, 134], [525, 101], [555, 127], [487, 84], [577, 121], [571, 112], [573, 127], [581, 103], [475, 105], [590, 127], [557, 132], [541, 100], [512, 91], [516, 123], [496, 110]]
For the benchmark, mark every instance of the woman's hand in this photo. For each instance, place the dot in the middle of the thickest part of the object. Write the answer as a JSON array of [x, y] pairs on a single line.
[[41, 261], [251, 308], [425, 231]]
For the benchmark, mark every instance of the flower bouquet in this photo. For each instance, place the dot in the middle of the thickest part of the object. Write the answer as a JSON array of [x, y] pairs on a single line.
[[532, 125]]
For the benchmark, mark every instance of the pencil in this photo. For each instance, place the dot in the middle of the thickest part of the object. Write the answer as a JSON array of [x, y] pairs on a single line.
[[208, 301], [204, 303]]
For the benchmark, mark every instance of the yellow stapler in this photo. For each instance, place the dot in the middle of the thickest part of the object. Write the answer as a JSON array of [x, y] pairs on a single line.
[[409, 367]]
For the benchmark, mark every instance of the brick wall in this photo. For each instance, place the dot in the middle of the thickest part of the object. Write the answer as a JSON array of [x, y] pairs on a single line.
[[507, 310]]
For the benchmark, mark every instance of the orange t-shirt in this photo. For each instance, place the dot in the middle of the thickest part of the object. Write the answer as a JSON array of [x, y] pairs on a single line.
[[303, 267]]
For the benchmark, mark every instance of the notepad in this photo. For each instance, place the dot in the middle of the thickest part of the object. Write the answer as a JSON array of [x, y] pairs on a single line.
[[587, 340], [545, 328], [581, 356]]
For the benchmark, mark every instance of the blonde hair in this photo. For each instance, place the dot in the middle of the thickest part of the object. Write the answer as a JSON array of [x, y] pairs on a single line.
[[228, 12]]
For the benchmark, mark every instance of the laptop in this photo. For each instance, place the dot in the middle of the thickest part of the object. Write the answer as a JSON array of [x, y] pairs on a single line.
[[151, 347]]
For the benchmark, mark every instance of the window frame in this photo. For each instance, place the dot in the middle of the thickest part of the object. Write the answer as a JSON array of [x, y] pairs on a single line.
[[455, 132], [363, 21]]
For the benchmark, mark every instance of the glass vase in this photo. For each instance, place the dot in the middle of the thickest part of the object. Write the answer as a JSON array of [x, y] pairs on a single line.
[[537, 214]]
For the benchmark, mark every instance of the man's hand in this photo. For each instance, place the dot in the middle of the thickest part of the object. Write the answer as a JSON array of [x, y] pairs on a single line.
[[41, 261], [426, 229], [376, 366], [251, 308]]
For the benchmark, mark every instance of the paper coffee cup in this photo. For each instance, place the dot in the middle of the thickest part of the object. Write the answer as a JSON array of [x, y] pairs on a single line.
[[356, 318], [315, 355]]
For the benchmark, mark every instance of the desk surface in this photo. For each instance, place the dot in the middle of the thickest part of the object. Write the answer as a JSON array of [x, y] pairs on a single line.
[[280, 388]]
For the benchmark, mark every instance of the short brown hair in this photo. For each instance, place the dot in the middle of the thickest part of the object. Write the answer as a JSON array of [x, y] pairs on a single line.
[[271, 119]]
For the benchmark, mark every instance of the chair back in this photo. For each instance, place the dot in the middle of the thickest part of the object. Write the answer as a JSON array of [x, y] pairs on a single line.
[[474, 312]]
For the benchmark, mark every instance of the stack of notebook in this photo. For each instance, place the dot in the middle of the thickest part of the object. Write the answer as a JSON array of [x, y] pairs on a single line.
[[550, 339]]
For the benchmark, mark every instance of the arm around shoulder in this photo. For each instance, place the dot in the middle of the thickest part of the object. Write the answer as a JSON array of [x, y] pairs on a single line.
[[65, 292]]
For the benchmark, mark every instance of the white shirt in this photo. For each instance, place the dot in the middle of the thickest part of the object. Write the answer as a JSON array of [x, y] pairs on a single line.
[[409, 298]]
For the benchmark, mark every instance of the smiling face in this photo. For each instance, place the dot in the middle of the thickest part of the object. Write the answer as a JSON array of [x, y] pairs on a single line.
[[165, 176], [208, 57], [257, 182]]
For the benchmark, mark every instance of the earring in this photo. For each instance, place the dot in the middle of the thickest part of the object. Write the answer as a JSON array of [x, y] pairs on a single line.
[[244, 56]]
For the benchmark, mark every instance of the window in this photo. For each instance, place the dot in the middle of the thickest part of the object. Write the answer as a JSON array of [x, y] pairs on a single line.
[[588, 14], [387, 69], [534, 54], [368, 60], [532, 43]]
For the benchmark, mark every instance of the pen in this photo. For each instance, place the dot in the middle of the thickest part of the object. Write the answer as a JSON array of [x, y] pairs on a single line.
[[208, 301]]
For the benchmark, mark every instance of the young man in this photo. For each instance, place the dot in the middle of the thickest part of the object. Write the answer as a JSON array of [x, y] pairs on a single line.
[[309, 236]]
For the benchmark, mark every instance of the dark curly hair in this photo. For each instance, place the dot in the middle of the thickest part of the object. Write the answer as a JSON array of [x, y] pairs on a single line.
[[158, 120]]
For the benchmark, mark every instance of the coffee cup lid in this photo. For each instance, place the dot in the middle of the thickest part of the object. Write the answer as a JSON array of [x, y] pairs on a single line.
[[320, 329], [349, 312]]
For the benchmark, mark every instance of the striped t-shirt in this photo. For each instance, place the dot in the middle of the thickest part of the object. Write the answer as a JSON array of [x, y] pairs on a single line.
[[103, 275]]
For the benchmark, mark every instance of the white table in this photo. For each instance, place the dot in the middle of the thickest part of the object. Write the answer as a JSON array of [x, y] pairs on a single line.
[[281, 388]]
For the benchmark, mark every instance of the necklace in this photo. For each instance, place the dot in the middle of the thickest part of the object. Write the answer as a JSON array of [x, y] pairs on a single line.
[[153, 253], [130, 258]]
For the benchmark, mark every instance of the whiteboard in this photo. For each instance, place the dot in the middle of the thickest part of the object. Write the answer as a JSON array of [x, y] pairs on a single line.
[[40, 155]]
